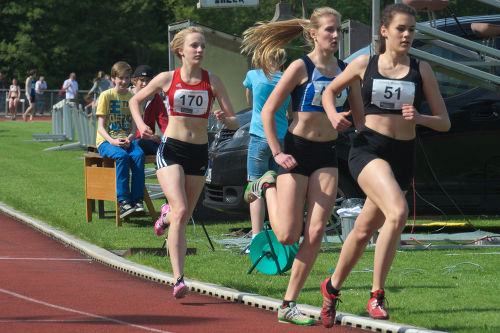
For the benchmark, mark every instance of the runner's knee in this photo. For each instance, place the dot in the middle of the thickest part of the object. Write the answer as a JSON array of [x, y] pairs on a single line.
[[179, 215], [397, 216], [287, 237], [363, 235], [316, 233]]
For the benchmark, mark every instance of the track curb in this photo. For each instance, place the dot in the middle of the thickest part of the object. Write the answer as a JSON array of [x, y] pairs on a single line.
[[116, 262]]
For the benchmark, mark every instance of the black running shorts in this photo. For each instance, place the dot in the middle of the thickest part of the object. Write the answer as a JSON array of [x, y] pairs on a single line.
[[192, 157], [310, 155], [369, 145]]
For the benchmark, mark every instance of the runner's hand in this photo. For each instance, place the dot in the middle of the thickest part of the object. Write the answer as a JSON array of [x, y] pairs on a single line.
[[340, 122], [146, 132], [410, 113], [220, 115], [286, 161]]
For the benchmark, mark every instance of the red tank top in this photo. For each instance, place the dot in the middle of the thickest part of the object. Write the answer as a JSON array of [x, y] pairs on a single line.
[[189, 100]]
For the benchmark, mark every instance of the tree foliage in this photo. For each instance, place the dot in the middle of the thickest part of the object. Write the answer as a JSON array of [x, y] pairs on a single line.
[[57, 37]]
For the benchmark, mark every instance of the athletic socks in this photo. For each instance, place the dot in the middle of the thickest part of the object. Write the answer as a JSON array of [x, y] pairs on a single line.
[[285, 304], [180, 279], [267, 186], [331, 290], [371, 293]]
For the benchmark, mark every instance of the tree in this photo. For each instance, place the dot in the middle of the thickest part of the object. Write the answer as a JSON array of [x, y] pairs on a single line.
[[57, 37]]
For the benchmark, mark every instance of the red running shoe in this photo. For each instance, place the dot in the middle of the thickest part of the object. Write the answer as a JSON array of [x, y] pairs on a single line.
[[329, 308], [376, 305]]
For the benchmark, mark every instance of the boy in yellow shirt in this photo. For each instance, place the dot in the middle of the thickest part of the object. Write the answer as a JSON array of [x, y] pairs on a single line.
[[116, 133]]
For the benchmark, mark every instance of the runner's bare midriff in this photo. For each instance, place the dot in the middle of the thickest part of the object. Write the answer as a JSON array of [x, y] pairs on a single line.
[[391, 125], [313, 126], [187, 129]]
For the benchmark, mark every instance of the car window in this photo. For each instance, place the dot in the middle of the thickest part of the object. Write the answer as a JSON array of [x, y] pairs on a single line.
[[448, 85]]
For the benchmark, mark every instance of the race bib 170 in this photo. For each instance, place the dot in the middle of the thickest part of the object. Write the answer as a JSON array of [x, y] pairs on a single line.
[[192, 102]]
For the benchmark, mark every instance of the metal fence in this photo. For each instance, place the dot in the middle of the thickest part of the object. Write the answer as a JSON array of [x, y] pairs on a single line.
[[68, 117], [42, 105]]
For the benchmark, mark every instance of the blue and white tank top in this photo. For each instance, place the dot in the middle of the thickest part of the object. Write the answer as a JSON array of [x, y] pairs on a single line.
[[307, 96]]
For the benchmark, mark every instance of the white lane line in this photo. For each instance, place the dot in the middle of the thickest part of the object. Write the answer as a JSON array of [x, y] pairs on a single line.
[[466, 254], [88, 314], [48, 259], [51, 320]]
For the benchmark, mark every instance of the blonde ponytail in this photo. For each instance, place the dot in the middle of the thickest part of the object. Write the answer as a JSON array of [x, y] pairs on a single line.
[[263, 39]]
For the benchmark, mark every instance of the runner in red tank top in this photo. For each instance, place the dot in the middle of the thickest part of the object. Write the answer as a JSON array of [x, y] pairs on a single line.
[[189, 100], [182, 157]]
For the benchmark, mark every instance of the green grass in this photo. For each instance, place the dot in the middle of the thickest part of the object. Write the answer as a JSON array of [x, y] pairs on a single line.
[[420, 289]]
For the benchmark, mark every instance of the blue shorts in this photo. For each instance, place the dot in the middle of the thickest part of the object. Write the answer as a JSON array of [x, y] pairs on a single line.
[[260, 158]]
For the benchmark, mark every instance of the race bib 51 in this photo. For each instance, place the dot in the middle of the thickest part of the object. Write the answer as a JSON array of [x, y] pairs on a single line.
[[392, 94]]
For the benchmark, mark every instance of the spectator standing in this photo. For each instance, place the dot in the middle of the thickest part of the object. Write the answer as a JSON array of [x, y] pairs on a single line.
[[111, 84], [115, 139], [13, 98], [40, 87], [154, 110], [2, 96], [260, 158], [71, 88], [100, 85], [30, 94]]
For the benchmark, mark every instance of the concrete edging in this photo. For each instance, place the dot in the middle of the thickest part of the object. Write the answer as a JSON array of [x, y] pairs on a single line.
[[116, 262]]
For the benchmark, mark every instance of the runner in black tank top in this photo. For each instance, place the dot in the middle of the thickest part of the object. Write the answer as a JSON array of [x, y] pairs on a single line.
[[382, 154], [391, 93]]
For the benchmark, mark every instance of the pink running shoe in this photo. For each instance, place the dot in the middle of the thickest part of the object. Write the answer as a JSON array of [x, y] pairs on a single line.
[[180, 290], [160, 226]]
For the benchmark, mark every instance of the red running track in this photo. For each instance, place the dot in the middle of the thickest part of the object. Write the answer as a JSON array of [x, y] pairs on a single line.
[[47, 287]]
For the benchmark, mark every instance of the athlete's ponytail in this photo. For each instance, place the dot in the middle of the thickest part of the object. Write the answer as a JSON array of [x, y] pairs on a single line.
[[274, 60], [263, 39]]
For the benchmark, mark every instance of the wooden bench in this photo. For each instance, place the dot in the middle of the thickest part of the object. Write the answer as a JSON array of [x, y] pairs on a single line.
[[100, 184]]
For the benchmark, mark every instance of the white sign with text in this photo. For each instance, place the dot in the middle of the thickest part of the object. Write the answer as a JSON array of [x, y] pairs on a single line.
[[226, 3]]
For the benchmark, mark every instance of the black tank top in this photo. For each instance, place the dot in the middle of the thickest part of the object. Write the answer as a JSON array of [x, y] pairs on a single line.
[[383, 95]]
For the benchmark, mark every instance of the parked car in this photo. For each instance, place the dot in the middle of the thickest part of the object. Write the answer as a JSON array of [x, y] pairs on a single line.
[[456, 170]]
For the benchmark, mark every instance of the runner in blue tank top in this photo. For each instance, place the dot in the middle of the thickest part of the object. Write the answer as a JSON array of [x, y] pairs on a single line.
[[308, 173]]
